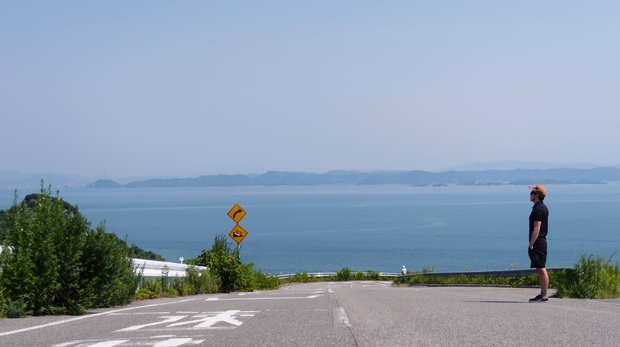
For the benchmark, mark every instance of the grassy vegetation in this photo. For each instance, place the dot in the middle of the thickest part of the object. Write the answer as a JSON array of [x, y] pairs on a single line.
[[345, 274], [593, 277], [226, 273], [513, 281], [195, 282], [200, 282]]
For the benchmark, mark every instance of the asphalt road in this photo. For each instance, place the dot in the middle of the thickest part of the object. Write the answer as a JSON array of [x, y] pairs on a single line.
[[333, 314]]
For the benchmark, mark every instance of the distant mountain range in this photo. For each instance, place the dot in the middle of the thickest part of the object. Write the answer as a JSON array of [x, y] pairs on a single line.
[[416, 178], [15, 180]]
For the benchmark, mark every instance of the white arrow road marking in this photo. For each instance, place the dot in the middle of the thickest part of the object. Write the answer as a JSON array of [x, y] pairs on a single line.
[[169, 319], [205, 320], [209, 319]]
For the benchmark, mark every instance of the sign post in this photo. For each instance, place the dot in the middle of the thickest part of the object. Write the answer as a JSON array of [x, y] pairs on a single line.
[[237, 213]]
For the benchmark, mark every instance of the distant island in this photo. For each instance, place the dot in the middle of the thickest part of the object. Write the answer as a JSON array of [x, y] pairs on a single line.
[[415, 178]]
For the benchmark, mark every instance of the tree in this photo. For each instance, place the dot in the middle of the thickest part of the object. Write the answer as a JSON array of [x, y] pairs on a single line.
[[56, 264]]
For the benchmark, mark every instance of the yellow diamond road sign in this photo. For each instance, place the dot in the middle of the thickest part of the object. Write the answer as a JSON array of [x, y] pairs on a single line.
[[236, 213], [238, 234]]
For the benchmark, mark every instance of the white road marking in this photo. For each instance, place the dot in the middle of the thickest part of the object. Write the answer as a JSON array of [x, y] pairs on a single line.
[[174, 342], [88, 316], [140, 313], [342, 315], [284, 292], [110, 343], [170, 342], [297, 292], [201, 321], [209, 319], [269, 298], [168, 319], [67, 344]]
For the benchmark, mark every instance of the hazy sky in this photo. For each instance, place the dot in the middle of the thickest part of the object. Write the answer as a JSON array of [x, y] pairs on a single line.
[[186, 88]]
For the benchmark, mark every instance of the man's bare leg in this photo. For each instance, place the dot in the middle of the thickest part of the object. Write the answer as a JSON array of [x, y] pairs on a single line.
[[544, 281]]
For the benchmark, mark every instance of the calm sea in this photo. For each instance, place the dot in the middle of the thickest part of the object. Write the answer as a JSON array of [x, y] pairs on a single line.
[[326, 228]]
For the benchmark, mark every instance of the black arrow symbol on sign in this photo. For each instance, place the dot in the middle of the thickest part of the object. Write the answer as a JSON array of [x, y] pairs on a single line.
[[238, 211]]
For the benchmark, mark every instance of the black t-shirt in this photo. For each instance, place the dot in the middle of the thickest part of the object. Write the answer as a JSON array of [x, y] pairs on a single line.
[[539, 214]]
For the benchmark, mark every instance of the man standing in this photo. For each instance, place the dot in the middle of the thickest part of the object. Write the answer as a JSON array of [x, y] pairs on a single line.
[[538, 239]]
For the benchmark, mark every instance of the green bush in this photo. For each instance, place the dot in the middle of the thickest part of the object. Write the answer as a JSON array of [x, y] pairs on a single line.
[[255, 279], [13, 309], [150, 289], [266, 281], [301, 277], [163, 287], [592, 278], [55, 264], [196, 282], [224, 264], [345, 274], [107, 270], [372, 275], [229, 272]]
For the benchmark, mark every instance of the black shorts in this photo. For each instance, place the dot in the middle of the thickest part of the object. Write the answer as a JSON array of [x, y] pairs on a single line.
[[538, 255]]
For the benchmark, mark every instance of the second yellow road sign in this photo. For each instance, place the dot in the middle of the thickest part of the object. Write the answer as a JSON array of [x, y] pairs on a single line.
[[238, 233]]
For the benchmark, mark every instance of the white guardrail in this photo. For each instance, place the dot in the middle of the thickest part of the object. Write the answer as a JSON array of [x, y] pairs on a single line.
[[154, 268]]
